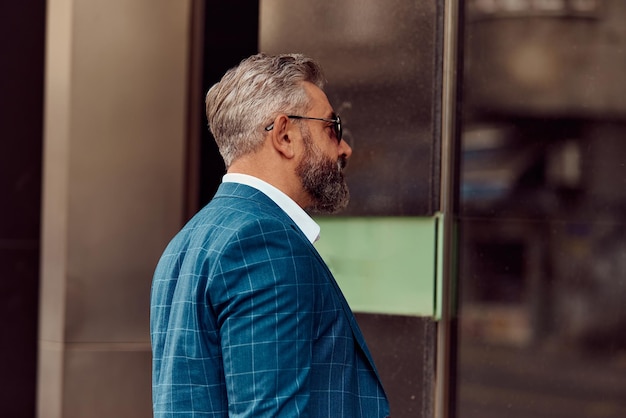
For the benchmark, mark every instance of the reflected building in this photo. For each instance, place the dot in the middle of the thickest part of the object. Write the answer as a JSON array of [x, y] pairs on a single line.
[[543, 204]]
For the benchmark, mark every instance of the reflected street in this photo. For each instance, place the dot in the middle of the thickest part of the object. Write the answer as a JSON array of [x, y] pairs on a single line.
[[517, 383]]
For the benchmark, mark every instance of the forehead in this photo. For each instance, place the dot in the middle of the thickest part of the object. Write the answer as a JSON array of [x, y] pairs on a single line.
[[319, 100]]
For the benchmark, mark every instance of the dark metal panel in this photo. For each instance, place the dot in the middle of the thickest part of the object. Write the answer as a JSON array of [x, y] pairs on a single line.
[[382, 61], [403, 348]]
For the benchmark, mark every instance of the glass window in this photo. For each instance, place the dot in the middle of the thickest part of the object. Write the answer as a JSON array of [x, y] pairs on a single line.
[[543, 249]]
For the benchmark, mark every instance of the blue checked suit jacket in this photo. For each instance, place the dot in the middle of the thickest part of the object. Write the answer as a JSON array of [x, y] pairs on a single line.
[[247, 321]]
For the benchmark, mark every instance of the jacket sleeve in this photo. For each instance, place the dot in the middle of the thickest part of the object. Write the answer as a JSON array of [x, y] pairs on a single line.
[[263, 294]]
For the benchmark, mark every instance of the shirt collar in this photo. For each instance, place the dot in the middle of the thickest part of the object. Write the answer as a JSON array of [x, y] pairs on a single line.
[[308, 226]]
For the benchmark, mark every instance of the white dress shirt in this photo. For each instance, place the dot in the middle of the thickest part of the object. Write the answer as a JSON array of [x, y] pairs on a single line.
[[310, 228]]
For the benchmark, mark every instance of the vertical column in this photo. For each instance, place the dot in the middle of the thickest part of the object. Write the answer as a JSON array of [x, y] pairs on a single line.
[[115, 106]]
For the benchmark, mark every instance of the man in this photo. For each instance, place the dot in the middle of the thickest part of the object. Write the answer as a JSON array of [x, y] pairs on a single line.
[[246, 318]]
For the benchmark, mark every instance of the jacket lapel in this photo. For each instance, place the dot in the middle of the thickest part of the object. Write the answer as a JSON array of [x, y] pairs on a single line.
[[247, 192], [348, 311]]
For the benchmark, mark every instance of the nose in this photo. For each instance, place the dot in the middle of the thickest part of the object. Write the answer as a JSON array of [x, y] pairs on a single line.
[[345, 149]]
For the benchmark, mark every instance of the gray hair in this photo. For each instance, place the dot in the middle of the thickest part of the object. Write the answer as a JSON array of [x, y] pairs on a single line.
[[250, 95]]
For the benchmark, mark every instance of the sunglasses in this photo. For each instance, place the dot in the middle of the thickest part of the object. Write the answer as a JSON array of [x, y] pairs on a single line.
[[336, 121]]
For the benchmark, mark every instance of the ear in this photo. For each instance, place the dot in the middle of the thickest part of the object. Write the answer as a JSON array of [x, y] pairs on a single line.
[[282, 136]]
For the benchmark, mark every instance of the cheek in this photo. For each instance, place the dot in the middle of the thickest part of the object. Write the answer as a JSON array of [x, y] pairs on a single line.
[[329, 150]]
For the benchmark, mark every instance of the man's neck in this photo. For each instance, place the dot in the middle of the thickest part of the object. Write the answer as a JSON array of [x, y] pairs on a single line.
[[281, 178]]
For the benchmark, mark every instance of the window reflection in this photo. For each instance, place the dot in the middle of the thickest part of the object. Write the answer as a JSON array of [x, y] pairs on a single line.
[[543, 205]]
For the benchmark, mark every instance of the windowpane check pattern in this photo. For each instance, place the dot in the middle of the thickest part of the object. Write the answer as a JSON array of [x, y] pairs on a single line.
[[247, 320]]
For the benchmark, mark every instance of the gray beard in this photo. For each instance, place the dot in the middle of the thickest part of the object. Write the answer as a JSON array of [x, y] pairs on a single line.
[[323, 179]]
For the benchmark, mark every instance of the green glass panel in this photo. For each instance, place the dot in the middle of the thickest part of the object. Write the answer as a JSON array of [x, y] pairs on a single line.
[[383, 264]]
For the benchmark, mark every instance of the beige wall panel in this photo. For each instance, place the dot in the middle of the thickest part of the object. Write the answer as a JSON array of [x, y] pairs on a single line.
[[50, 380], [93, 374], [55, 171], [115, 125], [127, 140]]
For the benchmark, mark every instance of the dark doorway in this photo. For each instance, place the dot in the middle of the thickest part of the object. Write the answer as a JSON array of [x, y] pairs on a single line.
[[22, 43]]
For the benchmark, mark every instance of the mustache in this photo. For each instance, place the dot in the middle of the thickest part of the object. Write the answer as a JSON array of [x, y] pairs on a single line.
[[342, 162]]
